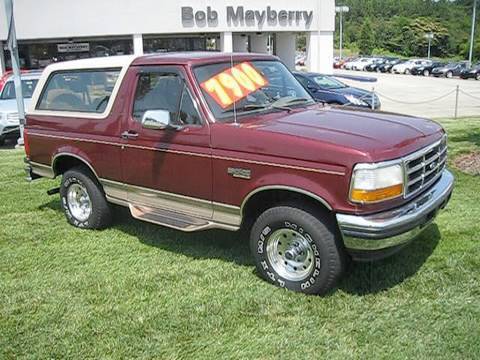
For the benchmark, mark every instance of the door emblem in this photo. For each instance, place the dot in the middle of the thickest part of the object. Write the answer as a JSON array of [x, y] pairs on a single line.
[[240, 173]]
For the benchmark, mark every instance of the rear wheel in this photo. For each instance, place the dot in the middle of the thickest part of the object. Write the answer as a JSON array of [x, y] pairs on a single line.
[[298, 251], [2, 141], [83, 200], [426, 72], [407, 71], [449, 75], [477, 77]]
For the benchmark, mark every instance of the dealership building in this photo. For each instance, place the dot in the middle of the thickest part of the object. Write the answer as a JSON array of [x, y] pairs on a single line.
[[58, 30]]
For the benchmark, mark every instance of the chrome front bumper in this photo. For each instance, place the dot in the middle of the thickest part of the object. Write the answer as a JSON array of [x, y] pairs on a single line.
[[396, 227]]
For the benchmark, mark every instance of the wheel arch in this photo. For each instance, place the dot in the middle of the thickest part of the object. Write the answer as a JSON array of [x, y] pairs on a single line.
[[262, 198], [64, 161]]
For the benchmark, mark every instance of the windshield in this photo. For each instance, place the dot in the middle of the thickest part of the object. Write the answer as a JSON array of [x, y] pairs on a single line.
[[249, 87], [327, 82], [28, 86]]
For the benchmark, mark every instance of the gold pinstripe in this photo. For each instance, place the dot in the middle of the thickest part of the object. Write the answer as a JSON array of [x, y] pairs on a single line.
[[226, 158]]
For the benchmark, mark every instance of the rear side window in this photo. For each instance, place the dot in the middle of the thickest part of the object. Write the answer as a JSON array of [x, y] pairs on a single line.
[[86, 91]]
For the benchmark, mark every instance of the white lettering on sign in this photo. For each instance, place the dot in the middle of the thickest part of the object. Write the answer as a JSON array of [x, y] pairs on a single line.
[[78, 47]]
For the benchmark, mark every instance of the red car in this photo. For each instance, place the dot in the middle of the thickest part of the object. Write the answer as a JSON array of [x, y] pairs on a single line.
[[209, 140]]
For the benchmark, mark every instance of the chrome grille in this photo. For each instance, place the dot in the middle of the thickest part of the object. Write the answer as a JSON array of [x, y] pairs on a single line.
[[12, 118], [423, 167]]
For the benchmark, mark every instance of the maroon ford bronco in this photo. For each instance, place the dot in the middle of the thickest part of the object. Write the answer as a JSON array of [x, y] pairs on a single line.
[[208, 140]]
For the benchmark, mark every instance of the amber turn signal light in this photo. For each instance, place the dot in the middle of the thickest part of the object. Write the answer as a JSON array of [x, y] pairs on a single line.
[[366, 196]]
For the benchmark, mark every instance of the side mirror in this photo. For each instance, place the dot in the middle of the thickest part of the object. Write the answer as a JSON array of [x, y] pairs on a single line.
[[156, 119]]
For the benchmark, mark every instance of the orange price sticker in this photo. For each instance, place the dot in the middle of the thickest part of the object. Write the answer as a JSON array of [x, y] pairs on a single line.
[[234, 84]]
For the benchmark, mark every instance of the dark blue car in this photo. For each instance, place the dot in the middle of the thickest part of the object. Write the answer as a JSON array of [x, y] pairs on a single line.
[[328, 89]]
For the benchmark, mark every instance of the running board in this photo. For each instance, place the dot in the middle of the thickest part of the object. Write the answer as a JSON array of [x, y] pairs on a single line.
[[171, 219]]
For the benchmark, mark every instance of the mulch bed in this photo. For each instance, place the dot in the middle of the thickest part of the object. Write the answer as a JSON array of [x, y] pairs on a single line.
[[468, 163]]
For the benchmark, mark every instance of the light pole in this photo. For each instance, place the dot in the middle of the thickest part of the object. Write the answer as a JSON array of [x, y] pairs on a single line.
[[430, 37], [341, 10], [472, 35], [13, 48]]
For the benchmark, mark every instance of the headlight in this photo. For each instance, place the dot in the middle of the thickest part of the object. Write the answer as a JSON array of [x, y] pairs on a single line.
[[371, 183], [355, 100]]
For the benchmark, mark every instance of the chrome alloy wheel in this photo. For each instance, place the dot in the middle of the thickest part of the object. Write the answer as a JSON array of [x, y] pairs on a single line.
[[290, 254], [79, 202]]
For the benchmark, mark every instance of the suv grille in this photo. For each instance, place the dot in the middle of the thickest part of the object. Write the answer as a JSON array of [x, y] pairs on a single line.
[[12, 118], [424, 167]]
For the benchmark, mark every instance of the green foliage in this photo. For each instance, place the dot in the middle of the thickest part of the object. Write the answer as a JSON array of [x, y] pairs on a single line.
[[366, 40], [140, 291], [400, 26]]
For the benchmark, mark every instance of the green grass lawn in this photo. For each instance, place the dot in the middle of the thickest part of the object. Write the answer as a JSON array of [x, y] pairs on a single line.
[[138, 290]]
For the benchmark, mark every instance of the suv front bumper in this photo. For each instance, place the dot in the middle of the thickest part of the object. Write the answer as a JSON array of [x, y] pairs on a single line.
[[379, 235]]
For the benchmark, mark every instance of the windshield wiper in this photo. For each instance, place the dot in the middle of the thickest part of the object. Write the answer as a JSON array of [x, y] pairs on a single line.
[[267, 106], [294, 101]]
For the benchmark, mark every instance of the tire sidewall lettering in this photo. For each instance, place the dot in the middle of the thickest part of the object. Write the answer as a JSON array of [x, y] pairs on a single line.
[[267, 269]]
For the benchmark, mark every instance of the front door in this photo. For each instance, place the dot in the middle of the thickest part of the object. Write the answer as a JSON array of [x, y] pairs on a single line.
[[170, 168]]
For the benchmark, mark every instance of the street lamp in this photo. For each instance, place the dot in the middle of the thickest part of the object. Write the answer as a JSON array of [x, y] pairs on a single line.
[[430, 37], [341, 10], [472, 35]]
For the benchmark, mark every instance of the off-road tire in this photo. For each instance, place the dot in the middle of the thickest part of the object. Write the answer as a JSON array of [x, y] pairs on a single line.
[[328, 253], [101, 212]]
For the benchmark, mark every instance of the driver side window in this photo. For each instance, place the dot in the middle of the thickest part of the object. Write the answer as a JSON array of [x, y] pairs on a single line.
[[165, 91]]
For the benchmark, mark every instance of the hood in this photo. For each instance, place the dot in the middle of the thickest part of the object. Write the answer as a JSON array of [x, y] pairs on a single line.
[[351, 91], [11, 105], [324, 133]]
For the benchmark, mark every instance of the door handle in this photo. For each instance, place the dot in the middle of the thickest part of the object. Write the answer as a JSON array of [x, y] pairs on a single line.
[[129, 135]]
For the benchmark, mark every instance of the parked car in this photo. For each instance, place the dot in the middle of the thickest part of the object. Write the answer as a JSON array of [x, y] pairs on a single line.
[[387, 66], [426, 69], [338, 63], [9, 120], [363, 63], [6, 75], [472, 73], [374, 64], [450, 70], [358, 64], [211, 140], [327, 89], [406, 67]]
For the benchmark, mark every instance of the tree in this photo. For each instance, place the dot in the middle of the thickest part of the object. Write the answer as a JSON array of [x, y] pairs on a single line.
[[366, 41]]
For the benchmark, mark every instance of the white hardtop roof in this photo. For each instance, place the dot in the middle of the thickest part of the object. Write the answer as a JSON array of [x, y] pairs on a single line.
[[100, 62]]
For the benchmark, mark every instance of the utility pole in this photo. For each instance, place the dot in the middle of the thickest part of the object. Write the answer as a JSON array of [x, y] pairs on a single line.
[[13, 48], [472, 35], [341, 10]]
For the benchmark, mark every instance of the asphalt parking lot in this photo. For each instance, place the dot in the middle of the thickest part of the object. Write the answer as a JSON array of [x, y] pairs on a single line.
[[419, 95]]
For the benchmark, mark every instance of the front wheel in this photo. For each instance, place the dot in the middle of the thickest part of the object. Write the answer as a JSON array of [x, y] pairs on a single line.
[[449, 75], [426, 73], [477, 77], [83, 200], [295, 250]]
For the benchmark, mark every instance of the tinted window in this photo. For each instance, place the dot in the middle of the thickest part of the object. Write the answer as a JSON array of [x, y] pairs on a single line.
[[157, 91], [188, 114], [81, 91], [165, 91], [326, 82], [27, 89]]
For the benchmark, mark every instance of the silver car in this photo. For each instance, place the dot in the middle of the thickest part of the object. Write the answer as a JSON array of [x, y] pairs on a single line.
[[9, 120]]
